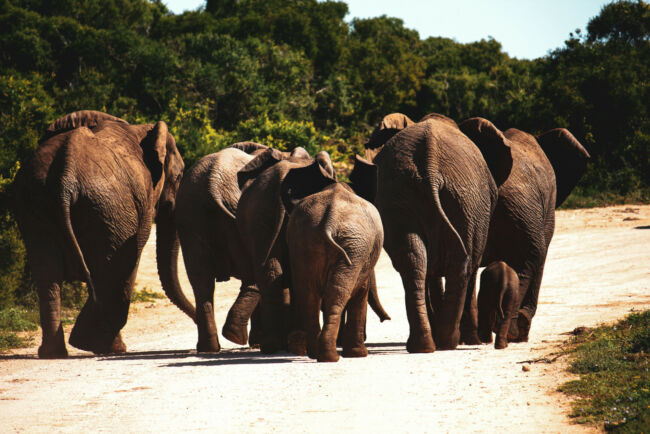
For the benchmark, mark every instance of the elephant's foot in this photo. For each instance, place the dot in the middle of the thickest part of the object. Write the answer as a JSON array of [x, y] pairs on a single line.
[[485, 336], [237, 334], [470, 338], [98, 343], [297, 342], [500, 343], [118, 346], [271, 344], [420, 344], [359, 351], [53, 345], [523, 326], [448, 341], [328, 356], [53, 348], [208, 345], [255, 337]]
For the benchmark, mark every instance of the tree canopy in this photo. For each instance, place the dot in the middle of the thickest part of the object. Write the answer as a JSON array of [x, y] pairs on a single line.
[[295, 72]]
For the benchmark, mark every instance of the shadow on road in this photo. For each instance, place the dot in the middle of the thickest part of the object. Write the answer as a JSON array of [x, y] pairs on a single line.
[[35, 357], [236, 356]]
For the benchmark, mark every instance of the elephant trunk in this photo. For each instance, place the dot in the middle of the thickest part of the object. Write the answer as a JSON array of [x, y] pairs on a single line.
[[167, 246], [373, 299]]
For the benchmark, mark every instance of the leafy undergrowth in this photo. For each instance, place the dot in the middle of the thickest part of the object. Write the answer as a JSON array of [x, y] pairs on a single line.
[[614, 386], [581, 198], [14, 321], [146, 296]]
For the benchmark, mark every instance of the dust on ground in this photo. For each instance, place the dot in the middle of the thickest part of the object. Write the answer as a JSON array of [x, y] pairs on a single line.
[[597, 271]]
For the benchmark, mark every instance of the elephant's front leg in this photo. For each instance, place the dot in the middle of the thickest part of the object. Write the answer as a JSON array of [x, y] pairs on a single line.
[[469, 319], [236, 327], [354, 338]]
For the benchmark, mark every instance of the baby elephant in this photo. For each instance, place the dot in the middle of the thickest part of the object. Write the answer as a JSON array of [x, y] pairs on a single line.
[[334, 238], [498, 302]]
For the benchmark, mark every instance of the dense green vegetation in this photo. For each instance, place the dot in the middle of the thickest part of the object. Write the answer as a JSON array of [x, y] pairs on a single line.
[[295, 73], [614, 386]]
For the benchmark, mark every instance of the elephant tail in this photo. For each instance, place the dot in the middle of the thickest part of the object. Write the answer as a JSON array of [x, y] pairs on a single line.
[[445, 219], [326, 226], [222, 207], [72, 240], [373, 299], [328, 235]]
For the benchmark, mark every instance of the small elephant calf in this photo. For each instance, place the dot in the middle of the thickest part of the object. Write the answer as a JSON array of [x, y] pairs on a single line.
[[498, 302], [334, 238]]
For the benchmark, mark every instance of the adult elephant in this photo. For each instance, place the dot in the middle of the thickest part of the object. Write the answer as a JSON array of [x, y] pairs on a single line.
[[261, 220], [435, 195], [534, 176], [84, 204], [205, 212]]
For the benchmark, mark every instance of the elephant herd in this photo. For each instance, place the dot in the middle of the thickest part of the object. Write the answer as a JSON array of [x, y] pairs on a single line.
[[442, 199]]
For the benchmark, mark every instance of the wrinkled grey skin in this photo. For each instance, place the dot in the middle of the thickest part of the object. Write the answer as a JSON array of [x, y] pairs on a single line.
[[261, 221], [334, 239], [534, 176], [498, 301], [205, 212], [435, 195], [84, 205]]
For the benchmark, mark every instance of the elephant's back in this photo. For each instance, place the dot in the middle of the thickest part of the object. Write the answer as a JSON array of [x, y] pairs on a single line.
[[353, 223], [530, 163], [212, 179]]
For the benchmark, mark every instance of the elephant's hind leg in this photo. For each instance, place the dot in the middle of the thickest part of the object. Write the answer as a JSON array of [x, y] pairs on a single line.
[[353, 341], [49, 297], [327, 341], [448, 320], [411, 263]]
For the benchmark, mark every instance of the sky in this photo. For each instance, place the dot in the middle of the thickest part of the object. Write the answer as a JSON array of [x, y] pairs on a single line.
[[526, 29]]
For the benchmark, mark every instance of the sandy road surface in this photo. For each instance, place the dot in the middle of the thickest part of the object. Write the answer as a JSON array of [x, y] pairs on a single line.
[[597, 270]]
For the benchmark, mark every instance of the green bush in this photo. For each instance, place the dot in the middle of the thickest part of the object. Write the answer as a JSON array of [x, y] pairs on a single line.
[[614, 386]]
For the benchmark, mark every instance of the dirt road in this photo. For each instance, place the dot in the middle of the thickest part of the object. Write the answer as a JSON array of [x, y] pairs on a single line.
[[597, 270]]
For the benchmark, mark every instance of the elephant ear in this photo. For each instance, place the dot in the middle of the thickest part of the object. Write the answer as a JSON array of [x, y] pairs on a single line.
[[387, 128], [300, 152], [81, 118], [258, 165], [302, 182], [324, 160], [493, 145], [249, 147], [154, 151], [439, 117], [568, 158], [363, 179]]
